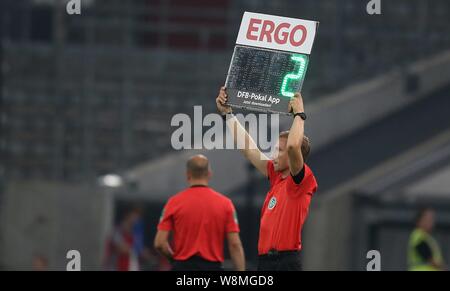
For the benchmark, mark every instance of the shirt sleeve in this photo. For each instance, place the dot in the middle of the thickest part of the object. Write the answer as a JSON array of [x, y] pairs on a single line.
[[232, 224], [424, 251], [299, 177], [166, 219], [271, 175], [307, 185], [117, 238]]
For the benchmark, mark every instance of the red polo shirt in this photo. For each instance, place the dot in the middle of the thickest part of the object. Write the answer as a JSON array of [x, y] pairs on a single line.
[[199, 218], [285, 210]]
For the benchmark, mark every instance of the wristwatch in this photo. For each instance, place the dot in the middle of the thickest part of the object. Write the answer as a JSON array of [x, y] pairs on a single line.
[[301, 114]]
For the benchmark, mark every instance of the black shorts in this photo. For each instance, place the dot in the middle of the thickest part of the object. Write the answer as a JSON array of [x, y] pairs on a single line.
[[196, 264], [280, 261]]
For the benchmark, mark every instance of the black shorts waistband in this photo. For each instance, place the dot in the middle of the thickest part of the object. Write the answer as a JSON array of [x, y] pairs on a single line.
[[277, 254], [196, 263], [199, 259]]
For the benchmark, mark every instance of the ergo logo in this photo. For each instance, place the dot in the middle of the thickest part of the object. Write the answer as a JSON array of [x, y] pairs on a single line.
[[277, 32], [281, 33]]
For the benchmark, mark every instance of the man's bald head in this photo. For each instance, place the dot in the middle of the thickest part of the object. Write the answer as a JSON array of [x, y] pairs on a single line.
[[198, 167]]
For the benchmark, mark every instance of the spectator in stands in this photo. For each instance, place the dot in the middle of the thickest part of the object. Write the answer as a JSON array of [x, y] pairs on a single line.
[[122, 251], [424, 253], [145, 256], [40, 263]]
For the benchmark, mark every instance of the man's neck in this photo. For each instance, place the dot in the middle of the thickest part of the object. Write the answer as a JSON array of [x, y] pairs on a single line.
[[424, 230], [285, 173], [197, 183]]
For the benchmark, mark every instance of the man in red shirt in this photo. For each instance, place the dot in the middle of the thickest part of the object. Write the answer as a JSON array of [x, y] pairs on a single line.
[[120, 252], [292, 185], [200, 219]]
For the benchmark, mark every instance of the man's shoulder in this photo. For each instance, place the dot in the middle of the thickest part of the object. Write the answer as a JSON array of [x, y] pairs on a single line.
[[217, 199], [310, 178], [308, 168], [272, 175], [220, 196], [178, 196], [309, 172]]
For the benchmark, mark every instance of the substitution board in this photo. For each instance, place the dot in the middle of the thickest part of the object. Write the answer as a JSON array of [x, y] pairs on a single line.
[[269, 62]]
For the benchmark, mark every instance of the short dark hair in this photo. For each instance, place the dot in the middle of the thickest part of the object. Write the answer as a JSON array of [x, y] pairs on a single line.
[[420, 213], [306, 144], [132, 210], [198, 168]]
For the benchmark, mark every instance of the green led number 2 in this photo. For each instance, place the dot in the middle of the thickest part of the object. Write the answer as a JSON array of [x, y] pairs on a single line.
[[298, 75]]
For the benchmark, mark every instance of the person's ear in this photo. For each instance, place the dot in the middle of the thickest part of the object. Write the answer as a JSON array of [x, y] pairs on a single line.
[[188, 176]]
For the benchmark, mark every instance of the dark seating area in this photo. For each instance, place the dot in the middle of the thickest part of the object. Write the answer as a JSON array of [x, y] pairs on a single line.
[[87, 96]]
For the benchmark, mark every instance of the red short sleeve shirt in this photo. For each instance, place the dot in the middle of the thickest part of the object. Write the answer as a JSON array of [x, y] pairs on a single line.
[[284, 211], [199, 219]]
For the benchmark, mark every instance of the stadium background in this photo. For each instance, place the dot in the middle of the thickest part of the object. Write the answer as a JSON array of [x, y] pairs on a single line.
[[86, 102]]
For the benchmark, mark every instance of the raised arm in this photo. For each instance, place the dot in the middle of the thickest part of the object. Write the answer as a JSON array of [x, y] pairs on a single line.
[[295, 138], [249, 149]]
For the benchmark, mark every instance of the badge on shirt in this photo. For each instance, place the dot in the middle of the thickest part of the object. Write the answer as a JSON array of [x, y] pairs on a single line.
[[235, 217], [272, 203], [162, 215]]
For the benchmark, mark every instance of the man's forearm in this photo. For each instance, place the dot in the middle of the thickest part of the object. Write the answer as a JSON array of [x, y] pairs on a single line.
[[238, 258], [241, 138], [246, 144], [295, 138], [166, 251]]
